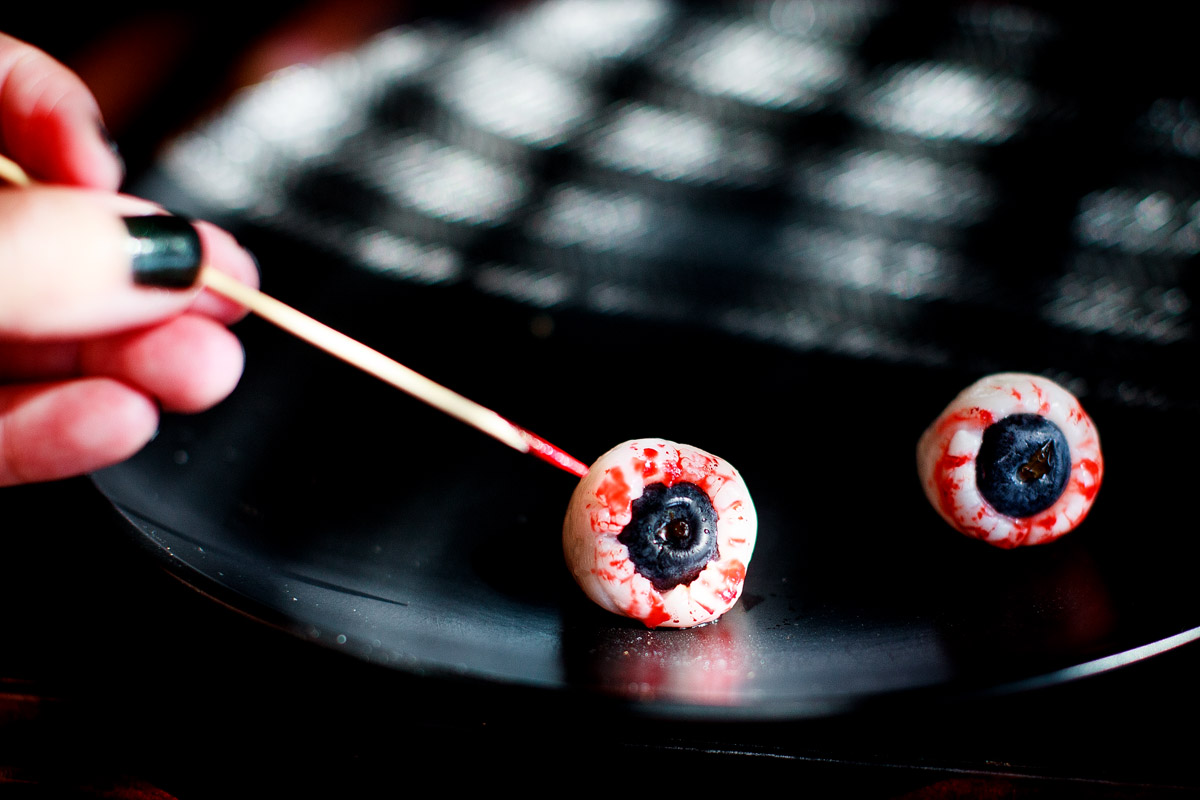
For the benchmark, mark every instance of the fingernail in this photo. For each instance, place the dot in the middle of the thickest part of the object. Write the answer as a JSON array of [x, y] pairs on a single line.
[[165, 251]]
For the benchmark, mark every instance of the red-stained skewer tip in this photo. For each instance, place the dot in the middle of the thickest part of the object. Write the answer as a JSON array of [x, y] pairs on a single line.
[[553, 455]]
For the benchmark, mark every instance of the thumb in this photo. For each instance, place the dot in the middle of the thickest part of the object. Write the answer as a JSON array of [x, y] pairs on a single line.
[[73, 262]]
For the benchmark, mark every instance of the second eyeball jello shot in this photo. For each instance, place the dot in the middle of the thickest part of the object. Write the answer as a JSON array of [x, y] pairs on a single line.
[[1013, 460], [661, 532]]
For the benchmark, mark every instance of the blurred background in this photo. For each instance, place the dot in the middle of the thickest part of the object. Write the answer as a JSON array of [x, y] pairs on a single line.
[[971, 184], [881, 200]]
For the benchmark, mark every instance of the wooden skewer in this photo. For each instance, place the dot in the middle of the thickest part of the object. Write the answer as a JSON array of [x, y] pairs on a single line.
[[11, 172], [368, 360], [386, 369]]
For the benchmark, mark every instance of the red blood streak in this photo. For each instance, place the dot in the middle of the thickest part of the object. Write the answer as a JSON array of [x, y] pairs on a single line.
[[949, 462], [613, 492], [1017, 537], [553, 455], [734, 574], [981, 418], [648, 465], [947, 486], [1093, 468], [672, 471], [658, 614]]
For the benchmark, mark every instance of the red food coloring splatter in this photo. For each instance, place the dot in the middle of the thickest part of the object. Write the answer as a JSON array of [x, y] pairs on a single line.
[[1011, 542], [977, 417], [946, 492], [947, 486], [648, 469], [672, 471], [658, 614], [1092, 468], [613, 492], [734, 574], [949, 462]]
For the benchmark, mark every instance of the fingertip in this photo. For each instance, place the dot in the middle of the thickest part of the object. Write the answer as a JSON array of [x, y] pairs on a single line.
[[51, 121], [56, 430], [189, 364], [224, 253], [87, 156], [102, 167], [227, 254], [211, 369], [131, 416]]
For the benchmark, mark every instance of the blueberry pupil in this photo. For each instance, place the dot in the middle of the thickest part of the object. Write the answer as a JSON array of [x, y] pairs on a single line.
[[672, 535], [1023, 465]]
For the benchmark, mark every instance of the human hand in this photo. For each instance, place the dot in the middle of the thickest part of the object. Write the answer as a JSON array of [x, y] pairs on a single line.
[[87, 356]]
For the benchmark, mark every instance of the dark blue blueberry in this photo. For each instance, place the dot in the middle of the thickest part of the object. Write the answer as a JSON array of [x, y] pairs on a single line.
[[673, 534], [1023, 465]]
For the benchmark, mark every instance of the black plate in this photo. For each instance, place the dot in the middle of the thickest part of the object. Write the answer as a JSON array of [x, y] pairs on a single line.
[[788, 241], [322, 501]]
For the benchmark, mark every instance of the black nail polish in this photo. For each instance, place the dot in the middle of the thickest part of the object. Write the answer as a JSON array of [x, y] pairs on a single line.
[[165, 251]]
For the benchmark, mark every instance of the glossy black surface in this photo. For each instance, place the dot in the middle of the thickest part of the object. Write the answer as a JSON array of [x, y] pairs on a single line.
[[843, 214], [112, 669], [322, 501]]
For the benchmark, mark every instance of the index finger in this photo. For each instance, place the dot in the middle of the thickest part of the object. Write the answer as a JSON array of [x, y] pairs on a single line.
[[49, 121]]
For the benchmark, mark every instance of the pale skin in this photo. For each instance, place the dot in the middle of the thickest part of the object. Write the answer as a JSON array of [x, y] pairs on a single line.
[[88, 359]]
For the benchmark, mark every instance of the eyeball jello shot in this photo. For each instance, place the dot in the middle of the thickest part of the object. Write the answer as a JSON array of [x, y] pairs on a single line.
[[661, 532], [1013, 460]]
